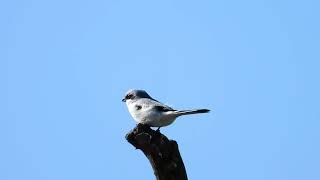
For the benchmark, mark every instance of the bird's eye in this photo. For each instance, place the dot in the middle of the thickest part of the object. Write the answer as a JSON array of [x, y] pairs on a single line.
[[129, 96]]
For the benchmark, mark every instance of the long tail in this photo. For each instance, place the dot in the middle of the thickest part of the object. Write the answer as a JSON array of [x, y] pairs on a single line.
[[195, 111]]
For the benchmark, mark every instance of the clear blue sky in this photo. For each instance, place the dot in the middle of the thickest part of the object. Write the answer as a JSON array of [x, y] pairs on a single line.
[[65, 66]]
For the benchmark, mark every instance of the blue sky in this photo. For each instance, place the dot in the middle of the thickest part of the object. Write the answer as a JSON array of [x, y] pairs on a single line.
[[65, 66]]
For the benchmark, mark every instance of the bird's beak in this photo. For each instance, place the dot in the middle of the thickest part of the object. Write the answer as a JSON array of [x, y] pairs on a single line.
[[123, 100]]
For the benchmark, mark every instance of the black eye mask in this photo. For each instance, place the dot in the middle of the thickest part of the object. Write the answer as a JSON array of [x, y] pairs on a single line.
[[129, 96]]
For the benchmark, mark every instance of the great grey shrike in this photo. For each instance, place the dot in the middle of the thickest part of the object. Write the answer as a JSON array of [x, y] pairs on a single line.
[[146, 110]]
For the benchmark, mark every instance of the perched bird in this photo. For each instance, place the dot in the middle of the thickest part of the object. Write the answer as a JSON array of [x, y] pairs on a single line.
[[146, 110]]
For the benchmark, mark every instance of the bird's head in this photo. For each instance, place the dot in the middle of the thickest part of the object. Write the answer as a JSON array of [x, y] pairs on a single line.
[[134, 94]]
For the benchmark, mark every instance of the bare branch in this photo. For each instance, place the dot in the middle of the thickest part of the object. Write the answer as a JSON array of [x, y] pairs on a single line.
[[163, 154]]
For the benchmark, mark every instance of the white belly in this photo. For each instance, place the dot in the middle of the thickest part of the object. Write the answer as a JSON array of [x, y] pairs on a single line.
[[151, 117], [161, 122]]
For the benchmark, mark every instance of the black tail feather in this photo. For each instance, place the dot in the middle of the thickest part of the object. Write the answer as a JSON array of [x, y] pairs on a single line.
[[196, 111]]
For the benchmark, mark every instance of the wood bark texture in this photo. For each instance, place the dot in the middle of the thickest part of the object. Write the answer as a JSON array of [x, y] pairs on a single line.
[[163, 154]]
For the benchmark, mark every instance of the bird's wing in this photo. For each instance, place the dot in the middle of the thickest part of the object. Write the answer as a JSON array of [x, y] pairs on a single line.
[[153, 104], [163, 108]]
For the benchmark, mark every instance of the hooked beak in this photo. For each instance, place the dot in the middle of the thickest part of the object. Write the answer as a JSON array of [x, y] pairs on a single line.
[[123, 100]]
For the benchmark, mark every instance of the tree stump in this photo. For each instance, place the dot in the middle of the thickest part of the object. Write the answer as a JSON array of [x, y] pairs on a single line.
[[163, 154]]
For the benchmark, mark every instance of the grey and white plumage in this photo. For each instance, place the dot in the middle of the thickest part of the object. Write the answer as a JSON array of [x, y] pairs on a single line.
[[146, 110]]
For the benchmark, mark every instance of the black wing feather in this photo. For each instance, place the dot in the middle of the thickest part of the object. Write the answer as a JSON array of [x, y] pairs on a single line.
[[163, 108]]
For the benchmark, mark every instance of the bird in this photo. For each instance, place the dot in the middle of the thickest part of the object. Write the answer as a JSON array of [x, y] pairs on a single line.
[[148, 111]]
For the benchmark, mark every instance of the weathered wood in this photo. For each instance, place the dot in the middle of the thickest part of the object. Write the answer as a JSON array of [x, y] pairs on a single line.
[[163, 154]]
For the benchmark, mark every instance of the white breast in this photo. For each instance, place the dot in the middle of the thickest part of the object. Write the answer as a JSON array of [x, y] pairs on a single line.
[[148, 115]]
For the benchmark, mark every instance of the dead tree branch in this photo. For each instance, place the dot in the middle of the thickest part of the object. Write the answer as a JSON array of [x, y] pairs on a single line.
[[163, 154]]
